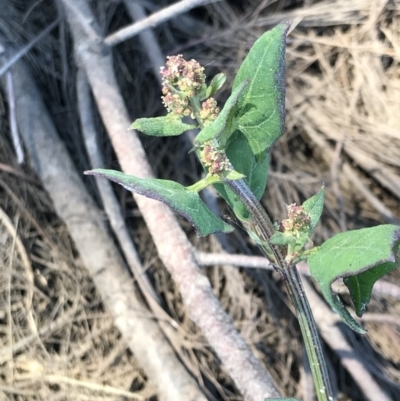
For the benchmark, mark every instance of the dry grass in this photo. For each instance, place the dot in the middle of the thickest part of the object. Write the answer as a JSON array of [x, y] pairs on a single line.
[[343, 96]]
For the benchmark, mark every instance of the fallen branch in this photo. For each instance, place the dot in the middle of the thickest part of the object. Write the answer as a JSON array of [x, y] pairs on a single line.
[[96, 248], [381, 287], [147, 38], [155, 19]]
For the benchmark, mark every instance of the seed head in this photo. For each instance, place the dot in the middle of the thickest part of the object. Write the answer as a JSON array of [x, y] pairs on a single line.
[[298, 220], [209, 111], [183, 78], [215, 159]]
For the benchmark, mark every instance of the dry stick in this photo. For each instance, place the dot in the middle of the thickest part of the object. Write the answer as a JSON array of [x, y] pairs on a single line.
[[147, 38], [100, 256], [19, 150], [107, 195], [92, 387], [154, 20], [7, 223], [172, 244], [381, 287], [18, 55], [333, 336], [113, 211]]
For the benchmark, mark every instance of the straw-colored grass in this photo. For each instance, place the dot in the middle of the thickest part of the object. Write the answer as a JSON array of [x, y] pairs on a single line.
[[343, 99]]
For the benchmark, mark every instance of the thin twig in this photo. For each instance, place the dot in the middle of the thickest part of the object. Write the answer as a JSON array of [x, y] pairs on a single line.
[[107, 195], [19, 151], [93, 387], [147, 38], [7, 64], [381, 287], [7, 223], [154, 20]]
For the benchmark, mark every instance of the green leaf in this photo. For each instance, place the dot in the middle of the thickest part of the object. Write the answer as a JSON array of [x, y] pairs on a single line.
[[215, 85], [282, 239], [361, 257], [360, 286], [262, 105], [243, 160], [177, 197], [217, 128], [234, 175], [169, 125], [314, 207]]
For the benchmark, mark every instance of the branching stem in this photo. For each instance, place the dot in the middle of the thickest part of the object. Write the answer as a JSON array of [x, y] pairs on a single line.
[[265, 229]]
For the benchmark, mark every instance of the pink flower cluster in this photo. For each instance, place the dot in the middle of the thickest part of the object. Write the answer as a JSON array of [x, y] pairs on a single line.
[[209, 110], [181, 80], [298, 220], [214, 159]]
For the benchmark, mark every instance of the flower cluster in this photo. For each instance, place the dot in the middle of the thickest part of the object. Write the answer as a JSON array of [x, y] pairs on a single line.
[[209, 110], [214, 159], [298, 220], [181, 80], [175, 103]]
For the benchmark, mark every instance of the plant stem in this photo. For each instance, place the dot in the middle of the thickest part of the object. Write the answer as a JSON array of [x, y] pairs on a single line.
[[265, 229]]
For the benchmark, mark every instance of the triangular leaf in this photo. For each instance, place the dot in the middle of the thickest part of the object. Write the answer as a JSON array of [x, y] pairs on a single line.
[[234, 175], [282, 239], [314, 207], [216, 129], [169, 125], [185, 202], [362, 256], [262, 105], [215, 85]]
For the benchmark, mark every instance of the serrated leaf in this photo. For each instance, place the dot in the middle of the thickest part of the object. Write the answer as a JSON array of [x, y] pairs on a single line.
[[217, 129], [243, 160], [215, 85], [360, 256], [177, 197], [262, 105], [169, 125]]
